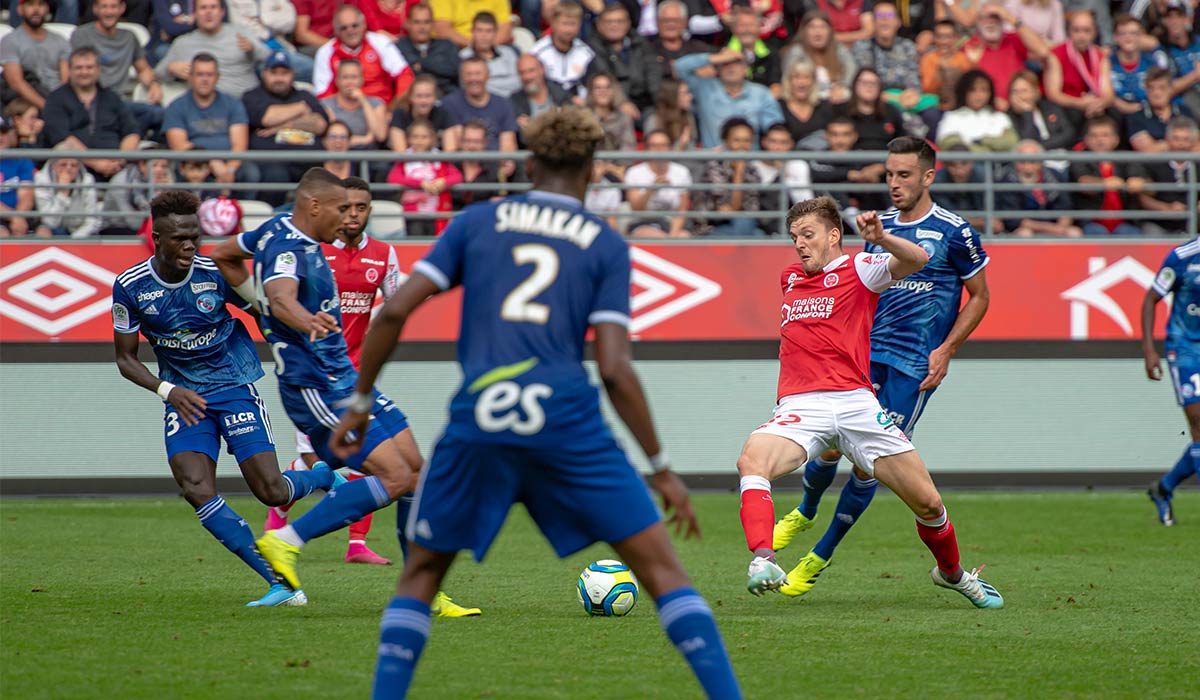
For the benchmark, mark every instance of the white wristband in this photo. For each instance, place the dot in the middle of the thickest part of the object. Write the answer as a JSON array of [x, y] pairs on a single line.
[[660, 462], [360, 403], [164, 390]]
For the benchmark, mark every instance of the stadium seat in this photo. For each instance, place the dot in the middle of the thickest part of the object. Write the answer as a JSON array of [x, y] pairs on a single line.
[[523, 39], [255, 213], [387, 219], [142, 34], [61, 28]]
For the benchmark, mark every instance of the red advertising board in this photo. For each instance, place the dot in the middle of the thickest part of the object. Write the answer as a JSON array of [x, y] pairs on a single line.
[[60, 292]]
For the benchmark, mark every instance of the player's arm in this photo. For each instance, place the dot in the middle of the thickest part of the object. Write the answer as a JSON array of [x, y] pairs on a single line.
[[1149, 352], [614, 356], [231, 261], [189, 404], [907, 257], [284, 303], [969, 317]]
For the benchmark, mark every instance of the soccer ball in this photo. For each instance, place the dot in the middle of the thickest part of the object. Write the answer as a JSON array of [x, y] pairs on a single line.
[[607, 587]]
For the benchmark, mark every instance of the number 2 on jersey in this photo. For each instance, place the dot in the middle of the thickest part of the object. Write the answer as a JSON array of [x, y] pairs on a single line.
[[518, 305]]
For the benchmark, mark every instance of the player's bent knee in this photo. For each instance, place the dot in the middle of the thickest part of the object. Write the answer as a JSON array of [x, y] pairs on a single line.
[[928, 509], [752, 465], [274, 492]]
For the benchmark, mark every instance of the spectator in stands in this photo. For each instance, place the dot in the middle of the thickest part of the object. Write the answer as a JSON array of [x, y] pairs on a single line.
[[1182, 45], [474, 138], [876, 120], [66, 200], [804, 114], [673, 181], [705, 19], [674, 114], [64, 12], [16, 184], [425, 54], [1101, 135], [672, 40], [170, 19], [1036, 117], [833, 62], [851, 19], [964, 13], [916, 21], [1001, 54], [604, 196], [941, 67], [127, 205], [337, 139], [120, 51], [27, 123], [627, 57], [1129, 64], [235, 49], [762, 63], [198, 172], [605, 98], [473, 101], [1077, 76], [895, 60], [976, 124], [428, 181], [536, 95], [737, 135], [565, 56], [420, 102], [1045, 17], [1181, 137], [81, 115], [207, 118], [1147, 128], [385, 73], [34, 59], [842, 137], [503, 77], [366, 115], [272, 21], [963, 172], [388, 17], [1035, 196], [282, 118], [727, 95], [452, 19], [314, 24], [793, 173]]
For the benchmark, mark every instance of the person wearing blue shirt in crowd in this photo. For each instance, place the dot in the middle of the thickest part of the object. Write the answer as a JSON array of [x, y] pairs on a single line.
[[1128, 64], [1146, 128], [1180, 277], [1182, 45], [16, 184], [726, 96]]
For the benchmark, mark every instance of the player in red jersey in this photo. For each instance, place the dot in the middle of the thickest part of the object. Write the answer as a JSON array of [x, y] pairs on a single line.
[[825, 396], [363, 268]]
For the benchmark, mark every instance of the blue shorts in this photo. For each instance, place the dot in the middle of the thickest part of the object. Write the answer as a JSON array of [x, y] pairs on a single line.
[[576, 496], [238, 415], [1185, 376], [899, 395], [316, 413]]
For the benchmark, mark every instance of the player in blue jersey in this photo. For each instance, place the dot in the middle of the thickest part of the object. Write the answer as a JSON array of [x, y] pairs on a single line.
[[207, 366], [1180, 276], [537, 270], [918, 328], [301, 315]]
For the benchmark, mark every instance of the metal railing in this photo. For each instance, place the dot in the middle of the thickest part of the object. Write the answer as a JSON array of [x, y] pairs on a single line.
[[363, 160]]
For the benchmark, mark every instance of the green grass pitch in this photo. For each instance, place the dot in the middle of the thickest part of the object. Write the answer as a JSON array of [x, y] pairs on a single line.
[[130, 598]]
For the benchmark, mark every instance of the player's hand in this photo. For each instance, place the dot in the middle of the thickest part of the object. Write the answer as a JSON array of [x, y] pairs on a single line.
[[869, 226], [676, 503], [189, 404], [321, 325], [1153, 366], [347, 438], [939, 365]]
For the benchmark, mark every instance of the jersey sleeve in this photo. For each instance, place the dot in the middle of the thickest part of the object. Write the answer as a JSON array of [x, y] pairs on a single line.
[[392, 277], [611, 303], [124, 313], [966, 252], [874, 271], [280, 264], [1167, 279], [443, 264], [248, 240]]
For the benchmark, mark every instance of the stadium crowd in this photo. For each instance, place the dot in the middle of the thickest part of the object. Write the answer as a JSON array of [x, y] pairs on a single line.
[[1026, 77]]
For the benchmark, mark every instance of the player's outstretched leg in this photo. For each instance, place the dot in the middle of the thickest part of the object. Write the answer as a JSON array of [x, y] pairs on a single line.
[[906, 475], [682, 612], [357, 551], [231, 530], [818, 475], [856, 496], [1162, 491], [764, 457]]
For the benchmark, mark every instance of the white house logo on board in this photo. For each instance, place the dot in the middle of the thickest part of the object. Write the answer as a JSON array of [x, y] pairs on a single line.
[[53, 291], [662, 290], [1092, 293]]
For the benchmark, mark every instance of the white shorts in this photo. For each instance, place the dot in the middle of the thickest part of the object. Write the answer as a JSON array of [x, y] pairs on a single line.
[[851, 421], [303, 444]]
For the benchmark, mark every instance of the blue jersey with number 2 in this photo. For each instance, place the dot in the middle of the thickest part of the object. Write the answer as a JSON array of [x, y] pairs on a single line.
[[536, 271]]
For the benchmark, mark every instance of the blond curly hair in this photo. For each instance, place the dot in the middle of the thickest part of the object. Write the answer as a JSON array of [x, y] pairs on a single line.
[[564, 137]]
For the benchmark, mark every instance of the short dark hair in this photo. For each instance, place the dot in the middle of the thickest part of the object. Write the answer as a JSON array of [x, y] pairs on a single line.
[[1101, 120], [823, 207], [173, 203], [338, 122], [315, 182], [905, 145], [968, 80], [484, 17], [356, 183], [421, 123], [841, 120], [205, 57], [85, 50], [733, 123], [1157, 73], [777, 126], [348, 62], [652, 132], [612, 7], [476, 124], [946, 23]]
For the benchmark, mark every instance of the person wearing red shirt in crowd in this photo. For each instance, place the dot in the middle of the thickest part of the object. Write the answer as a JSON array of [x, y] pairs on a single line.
[[1101, 135], [385, 72], [386, 17], [364, 268], [1077, 75], [825, 396], [1001, 54], [429, 181], [314, 23], [852, 20]]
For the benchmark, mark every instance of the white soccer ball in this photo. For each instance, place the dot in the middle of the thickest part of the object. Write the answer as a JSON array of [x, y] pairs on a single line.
[[607, 587]]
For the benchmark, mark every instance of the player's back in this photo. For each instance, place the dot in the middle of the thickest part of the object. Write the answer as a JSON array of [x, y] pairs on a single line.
[[916, 314], [536, 270], [1180, 275], [197, 342]]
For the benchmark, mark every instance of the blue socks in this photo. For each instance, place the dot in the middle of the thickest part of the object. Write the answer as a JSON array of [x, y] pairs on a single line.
[[345, 505], [1187, 465], [305, 482], [856, 496], [688, 621], [402, 636], [403, 507], [818, 475], [232, 531]]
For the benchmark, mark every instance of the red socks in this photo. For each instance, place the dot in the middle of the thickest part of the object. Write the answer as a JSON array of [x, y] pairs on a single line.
[[938, 536], [359, 530], [758, 513]]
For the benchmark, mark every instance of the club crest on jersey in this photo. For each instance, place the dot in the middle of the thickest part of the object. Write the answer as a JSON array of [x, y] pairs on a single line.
[[792, 279], [206, 303], [831, 280], [927, 247], [372, 275]]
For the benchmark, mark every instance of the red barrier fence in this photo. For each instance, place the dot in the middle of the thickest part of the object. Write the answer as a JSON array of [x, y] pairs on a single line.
[[690, 292]]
